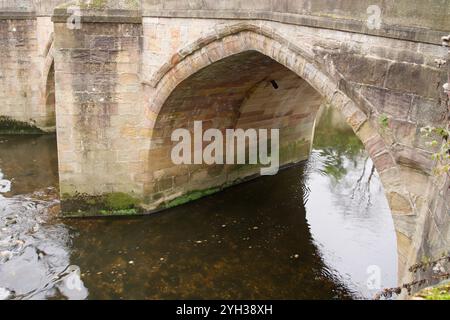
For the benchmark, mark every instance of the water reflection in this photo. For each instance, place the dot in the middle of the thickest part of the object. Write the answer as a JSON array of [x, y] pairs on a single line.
[[347, 210], [335, 144], [29, 162], [310, 232]]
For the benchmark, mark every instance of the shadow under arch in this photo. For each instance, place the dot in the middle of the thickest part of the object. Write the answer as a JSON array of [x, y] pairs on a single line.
[[48, 96], [233, 41]]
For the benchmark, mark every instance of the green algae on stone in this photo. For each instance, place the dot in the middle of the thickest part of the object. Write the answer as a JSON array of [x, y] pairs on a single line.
[[124, 212], [439, 292], [120, 201], [191, 196], [109, 204], [11, 126]]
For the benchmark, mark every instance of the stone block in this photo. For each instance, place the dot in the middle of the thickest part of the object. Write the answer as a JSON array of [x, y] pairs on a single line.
[[416, 79]]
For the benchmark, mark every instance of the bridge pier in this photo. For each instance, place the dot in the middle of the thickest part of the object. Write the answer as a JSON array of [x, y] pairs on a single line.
[[99, 102]]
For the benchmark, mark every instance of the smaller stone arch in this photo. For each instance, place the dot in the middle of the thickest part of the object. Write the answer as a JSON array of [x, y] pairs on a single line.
[[48, 95]]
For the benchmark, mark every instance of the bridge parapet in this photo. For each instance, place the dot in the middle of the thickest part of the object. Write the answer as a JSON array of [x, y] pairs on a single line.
[[423, 21]]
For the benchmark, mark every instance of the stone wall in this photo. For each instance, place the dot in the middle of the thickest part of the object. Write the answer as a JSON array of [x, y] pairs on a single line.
[[17, 51], [436, 231], [26, 71]]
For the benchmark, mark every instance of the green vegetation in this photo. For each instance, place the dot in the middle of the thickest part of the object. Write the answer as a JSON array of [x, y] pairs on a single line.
[[120, 201], [127, 212], [194, 195], [11, 126], [440, 292], [335, 148], [109, 204], [440, 139], [384, 121]]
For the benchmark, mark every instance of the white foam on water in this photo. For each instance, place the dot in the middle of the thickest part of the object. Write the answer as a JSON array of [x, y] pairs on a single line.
[[4, 294], [72, 287], [5, 185]]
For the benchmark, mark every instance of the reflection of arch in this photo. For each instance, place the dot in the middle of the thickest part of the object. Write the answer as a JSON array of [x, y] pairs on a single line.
[[48, 84], [244, 37]]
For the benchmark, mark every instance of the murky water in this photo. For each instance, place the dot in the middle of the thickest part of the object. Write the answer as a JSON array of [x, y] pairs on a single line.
[[319, 230]]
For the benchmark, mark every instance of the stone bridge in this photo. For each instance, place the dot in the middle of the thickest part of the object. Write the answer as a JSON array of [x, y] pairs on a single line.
[[115, 78]]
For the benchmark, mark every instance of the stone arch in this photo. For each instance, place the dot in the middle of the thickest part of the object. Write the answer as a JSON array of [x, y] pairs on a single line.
[[358, 112], [247, 37]]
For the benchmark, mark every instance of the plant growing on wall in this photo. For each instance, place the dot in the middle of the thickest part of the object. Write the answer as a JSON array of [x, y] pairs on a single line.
[[439, 135]]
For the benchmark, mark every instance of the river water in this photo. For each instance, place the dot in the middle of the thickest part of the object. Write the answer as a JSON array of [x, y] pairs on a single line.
[[319, 230]]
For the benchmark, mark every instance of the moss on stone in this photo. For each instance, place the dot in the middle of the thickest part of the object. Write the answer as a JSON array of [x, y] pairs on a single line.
[[120, 201], [123, 212], [11, 126], [191, 196], [109, 204], [439, 292]]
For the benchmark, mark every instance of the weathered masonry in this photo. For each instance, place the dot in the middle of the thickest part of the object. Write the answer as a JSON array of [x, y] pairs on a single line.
[[115, 78]]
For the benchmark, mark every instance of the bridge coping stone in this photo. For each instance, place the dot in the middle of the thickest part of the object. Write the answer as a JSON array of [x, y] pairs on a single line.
[[416, 34], [99, 16]]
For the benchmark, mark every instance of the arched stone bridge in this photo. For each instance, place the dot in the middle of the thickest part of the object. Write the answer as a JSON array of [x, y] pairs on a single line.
[[119, 76]]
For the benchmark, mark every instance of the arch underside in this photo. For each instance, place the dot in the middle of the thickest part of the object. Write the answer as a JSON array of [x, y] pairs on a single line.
[[49, 97], [48, 94], [244, 91]]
